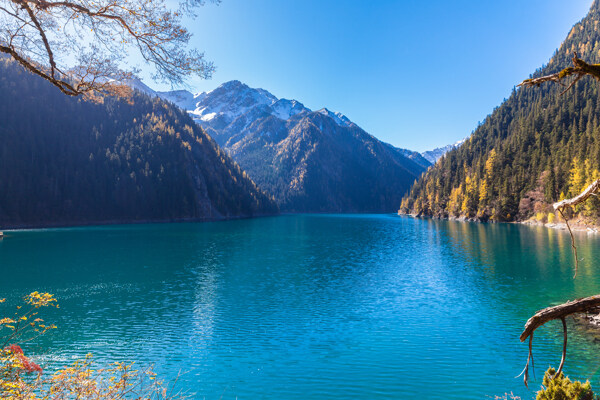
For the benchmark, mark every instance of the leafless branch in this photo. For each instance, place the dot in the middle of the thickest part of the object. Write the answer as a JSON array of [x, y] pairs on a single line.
[[580, 198], [553, 313], [579, 69], [83, 46], [560, 210]]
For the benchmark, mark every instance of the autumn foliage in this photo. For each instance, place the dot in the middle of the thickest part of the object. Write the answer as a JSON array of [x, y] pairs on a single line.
[[22, 378]]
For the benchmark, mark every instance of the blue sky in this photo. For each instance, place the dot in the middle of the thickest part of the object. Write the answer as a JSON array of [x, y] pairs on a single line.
[[417, 74]]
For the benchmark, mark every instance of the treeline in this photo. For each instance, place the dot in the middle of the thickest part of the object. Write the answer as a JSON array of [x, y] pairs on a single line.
[[538, 147], [64, 160]]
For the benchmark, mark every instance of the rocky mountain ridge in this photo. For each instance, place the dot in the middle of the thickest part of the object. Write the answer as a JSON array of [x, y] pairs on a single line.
[[433, 155], [311, 161]]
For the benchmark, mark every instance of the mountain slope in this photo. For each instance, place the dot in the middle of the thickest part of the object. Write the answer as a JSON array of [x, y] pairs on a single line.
[[67, 161], [537, 147], [311, 161]]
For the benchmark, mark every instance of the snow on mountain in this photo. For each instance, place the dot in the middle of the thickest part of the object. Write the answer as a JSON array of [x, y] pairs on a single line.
[[339, 118], [232, 100], [141, 86], [228, 102], [285, 109], [309, 161], [433, 155], [182, 98], [413, 155]]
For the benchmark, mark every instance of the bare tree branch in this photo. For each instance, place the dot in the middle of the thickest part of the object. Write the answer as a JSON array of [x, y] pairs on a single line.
[[84, 46], [580, 198], [562, 214], [553, 313], [579, 69]]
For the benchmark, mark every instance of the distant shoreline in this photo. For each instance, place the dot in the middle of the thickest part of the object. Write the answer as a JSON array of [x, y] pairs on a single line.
[[78, 224], [81, 224], [576, 226]]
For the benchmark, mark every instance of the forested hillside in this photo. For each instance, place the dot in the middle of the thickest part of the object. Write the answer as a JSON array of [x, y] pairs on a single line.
[[67, 161], [537, 147]]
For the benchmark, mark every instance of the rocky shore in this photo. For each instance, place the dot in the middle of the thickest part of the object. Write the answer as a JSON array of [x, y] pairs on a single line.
[[576, 226], [589, 323]]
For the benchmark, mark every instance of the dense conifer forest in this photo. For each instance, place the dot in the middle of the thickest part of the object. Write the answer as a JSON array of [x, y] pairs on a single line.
[[64, 160], [539, 146]]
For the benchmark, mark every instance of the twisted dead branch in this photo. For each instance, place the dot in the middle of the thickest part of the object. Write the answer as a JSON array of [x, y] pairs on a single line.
[[553, 313], [580, 198], [573, 246], [579, 69]]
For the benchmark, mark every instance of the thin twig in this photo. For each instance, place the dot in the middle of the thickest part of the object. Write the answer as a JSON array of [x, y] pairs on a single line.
[[572, 241], [525, 371]]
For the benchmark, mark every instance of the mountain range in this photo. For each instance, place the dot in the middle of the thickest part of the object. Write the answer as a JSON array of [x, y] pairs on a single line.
[[310, 161], [540, 145]]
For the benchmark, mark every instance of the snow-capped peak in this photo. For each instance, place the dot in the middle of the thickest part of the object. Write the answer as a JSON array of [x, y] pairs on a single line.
[[433, 155], [338, 117], [137, 84], [231, 100], [285, 109], [228, 102], [460, 142], [181, 98]]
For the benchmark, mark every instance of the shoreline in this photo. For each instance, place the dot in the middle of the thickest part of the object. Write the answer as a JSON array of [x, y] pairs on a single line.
[[561, 226], [82, 224], [13, 227], [589, 322], [576, 226]]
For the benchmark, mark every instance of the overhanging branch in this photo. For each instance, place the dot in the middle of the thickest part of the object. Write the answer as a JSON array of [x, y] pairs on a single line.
[[579, 69], [561, 311], [580, 198]]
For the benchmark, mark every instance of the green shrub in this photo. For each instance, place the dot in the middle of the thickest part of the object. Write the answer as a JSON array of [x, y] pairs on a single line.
[[562, 388]]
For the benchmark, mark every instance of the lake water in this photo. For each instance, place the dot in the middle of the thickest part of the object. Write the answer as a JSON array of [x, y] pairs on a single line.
[[310, 306]]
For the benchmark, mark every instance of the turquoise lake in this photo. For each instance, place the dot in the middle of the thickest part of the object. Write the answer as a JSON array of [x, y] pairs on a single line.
[[310, 306]]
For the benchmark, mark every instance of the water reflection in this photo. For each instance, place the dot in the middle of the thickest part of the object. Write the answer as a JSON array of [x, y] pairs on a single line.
[[310, 306]]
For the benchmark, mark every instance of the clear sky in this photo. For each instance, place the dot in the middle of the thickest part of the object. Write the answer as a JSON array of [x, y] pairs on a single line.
[[416, 74]]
